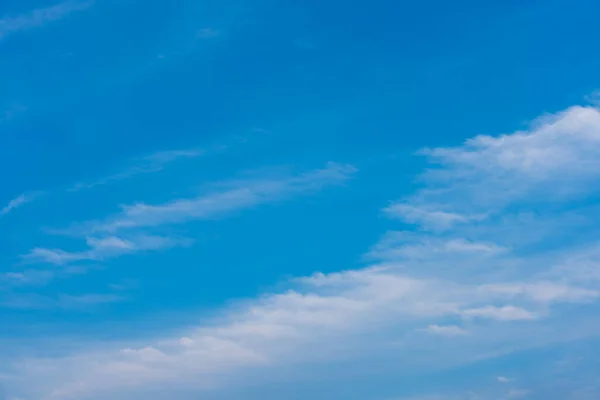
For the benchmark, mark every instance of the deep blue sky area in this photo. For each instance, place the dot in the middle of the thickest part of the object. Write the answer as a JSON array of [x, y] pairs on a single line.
[[266, 199]]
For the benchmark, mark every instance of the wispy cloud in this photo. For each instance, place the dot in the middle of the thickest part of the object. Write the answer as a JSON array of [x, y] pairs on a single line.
[[445, 330], [556, 160], [124, 233], [402, 246], [430, 219], [32, 301], [544, 292], [27, 277], [16, 203], [236, 195], [104, 248], [594, 98], [152, 163], [39, 276], [40, 17], [506, 313], [450, 280]]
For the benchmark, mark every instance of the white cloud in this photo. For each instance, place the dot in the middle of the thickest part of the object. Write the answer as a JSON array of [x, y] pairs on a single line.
[[104, 248], [502, 295], [503, 379], [582, 267], [447, 330], [40, 17], [290, 327], [594, 98], [398, 246], [123, 233], [28, 277], [15, 203], [567, 143], [505, 313], [173, 155], [430, 219], [241, 195], [544, 292], [556, 160]]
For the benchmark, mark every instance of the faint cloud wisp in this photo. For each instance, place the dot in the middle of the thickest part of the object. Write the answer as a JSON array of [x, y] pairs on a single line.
[[40, 17]]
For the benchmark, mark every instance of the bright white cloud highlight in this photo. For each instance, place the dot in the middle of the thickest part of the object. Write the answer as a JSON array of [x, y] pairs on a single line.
[[556, 160], [565, 144]]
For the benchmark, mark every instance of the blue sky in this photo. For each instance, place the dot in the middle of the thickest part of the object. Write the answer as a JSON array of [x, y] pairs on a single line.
[[383, 200]]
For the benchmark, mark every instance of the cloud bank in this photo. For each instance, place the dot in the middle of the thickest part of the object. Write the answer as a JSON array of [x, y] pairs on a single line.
[[456, 272]]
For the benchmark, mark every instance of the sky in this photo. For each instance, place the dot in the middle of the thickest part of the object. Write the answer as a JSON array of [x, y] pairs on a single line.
[[260, 199]]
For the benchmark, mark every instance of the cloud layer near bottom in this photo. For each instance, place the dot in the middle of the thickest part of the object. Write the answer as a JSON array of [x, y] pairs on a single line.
[[452, 291]]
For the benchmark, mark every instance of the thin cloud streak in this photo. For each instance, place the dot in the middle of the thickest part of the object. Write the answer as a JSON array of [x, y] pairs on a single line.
[[152, 163], [124, 233], [40, 17], [16, 203], [445, 330], [238, 196], [100, 249], [33, 301]]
